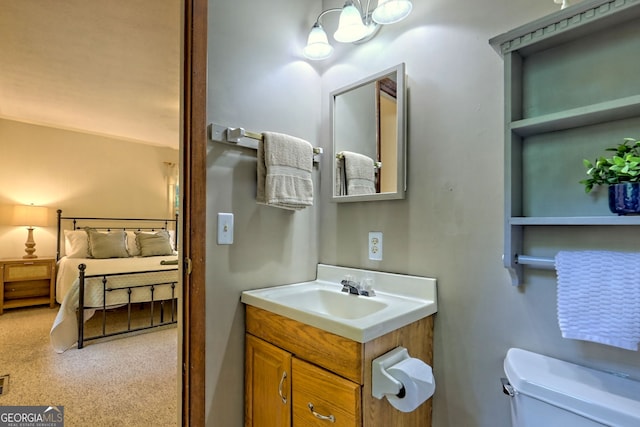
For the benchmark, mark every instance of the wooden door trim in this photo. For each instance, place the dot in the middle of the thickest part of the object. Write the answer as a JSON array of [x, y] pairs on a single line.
[[194, 139]]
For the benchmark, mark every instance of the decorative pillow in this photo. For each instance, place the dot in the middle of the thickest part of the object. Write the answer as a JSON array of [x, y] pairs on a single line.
[[76, 244], [107, 245], [172, 239], [154, 244], [132, 244]]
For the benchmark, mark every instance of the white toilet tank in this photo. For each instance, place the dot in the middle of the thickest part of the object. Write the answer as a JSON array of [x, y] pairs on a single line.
[[552, 393]]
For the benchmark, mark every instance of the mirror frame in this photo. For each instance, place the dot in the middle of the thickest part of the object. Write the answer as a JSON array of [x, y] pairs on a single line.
[[401, 132]]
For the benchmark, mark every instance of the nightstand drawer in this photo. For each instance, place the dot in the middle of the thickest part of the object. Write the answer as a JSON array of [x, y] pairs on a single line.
[[26, 289], [27, 271]]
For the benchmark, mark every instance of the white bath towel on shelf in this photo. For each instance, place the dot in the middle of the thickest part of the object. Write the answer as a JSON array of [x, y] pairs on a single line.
[[285, 164], [360, 173], [599, 297], [341, 180]]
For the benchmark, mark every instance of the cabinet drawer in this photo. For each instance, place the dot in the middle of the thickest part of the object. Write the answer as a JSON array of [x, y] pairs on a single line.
[[330, 395], [335, 353], [26, 289], [14, 272]]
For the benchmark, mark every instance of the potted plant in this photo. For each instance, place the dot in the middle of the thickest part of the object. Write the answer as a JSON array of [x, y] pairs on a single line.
[[621, 172]]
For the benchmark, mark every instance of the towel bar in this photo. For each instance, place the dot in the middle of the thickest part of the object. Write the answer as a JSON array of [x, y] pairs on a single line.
[[234, 136], [536, 262], [377, 165]]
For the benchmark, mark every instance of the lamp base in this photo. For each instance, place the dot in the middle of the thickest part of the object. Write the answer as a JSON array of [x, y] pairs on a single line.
[[30, 245]]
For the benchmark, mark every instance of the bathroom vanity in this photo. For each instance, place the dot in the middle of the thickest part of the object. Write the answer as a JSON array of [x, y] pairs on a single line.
[[303, 368]]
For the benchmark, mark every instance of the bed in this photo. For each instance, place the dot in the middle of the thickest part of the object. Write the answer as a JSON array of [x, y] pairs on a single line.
[[111, 265]]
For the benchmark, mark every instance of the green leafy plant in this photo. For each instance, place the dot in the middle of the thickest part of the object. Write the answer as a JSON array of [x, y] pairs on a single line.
[[623, 166]]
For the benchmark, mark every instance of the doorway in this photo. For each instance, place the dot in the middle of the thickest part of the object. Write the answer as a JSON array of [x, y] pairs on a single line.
[[193, 179]]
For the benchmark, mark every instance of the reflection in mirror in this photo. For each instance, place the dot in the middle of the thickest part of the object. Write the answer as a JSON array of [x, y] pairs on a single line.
[[368, 129]]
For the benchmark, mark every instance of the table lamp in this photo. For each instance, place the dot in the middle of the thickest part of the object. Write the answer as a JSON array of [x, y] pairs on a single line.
[[30, 216]]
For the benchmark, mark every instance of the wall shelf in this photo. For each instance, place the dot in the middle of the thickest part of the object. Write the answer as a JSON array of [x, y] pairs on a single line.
[[571, 90], [575, 220], [603, 112]]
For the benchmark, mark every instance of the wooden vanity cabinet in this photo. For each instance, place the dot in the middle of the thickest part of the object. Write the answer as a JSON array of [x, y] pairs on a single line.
[[267, 384], [304, 364], [321, 398], [280, 387]]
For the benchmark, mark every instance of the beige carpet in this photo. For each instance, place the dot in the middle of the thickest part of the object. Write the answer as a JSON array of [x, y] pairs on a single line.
[[128, 381]]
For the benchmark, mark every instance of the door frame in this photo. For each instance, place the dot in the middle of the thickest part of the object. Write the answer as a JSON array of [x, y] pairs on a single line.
[[193, 176]]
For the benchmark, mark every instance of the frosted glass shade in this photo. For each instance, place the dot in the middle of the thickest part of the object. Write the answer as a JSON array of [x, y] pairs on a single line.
[[30, 216], [391, 11], [318, 46], [350, 27]]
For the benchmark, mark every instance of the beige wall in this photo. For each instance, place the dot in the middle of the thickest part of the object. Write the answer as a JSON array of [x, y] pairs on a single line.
[[256, 80], [82, 174], [451, 224], [449, 227]]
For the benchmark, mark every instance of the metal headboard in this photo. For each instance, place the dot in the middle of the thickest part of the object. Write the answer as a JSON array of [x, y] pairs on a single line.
[[108, 224]]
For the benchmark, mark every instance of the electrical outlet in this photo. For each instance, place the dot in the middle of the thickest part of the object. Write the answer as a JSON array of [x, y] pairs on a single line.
[[375, 245]]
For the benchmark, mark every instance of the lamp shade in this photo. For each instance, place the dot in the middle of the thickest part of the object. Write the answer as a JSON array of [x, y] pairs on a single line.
[[318, 46], [30, 215], [350, 26], [391, 11]]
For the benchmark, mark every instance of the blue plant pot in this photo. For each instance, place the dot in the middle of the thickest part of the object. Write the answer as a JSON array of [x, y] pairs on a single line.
[[624, 199]]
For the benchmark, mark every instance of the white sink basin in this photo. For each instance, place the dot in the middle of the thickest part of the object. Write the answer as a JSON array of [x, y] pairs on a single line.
[[399, 300], [328, 302]]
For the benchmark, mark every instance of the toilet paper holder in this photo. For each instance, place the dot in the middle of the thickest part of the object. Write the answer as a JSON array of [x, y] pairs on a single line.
[[382, 383]]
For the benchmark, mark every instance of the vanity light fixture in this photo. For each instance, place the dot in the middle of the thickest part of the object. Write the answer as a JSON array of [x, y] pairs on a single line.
[[564, 3], [391, 11], [351, 27], [356, 24], [318, 46]]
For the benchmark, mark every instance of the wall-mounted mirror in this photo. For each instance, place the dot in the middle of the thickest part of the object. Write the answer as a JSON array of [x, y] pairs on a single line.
[[368, 126]]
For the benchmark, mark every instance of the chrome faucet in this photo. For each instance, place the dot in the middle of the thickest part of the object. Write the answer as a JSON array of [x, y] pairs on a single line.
[[354, 288], [350, 287]]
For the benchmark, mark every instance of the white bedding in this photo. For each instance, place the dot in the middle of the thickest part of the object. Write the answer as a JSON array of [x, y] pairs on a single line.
[[64, 332], [68, 268]]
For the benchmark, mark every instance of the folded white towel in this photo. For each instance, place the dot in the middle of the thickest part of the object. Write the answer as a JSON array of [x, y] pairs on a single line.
[[599, 297], [359, 173], [341, 179], [285, 164]]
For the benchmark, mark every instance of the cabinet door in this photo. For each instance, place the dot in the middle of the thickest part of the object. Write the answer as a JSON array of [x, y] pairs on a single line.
[[267, 384], [321, 398]]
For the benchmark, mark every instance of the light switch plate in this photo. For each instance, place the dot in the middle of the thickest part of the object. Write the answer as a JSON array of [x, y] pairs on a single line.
[[375, 245], [225, 228]]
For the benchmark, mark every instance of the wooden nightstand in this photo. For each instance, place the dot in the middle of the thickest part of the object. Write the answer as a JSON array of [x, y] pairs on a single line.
[[27, 282]]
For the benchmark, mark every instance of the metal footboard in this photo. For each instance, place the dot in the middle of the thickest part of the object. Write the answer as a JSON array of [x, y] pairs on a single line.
[[166, 304]]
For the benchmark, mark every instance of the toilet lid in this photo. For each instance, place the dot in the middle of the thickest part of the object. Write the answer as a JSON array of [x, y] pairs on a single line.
[[597, 395]]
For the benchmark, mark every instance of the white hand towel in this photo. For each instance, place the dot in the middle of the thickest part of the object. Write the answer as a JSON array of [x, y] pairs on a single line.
[[341, 181], [285, 164], [360, 173], [599, 297]]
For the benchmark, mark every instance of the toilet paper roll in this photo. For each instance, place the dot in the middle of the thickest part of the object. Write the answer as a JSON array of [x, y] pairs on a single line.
[[417, 379]]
